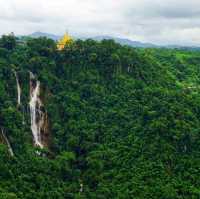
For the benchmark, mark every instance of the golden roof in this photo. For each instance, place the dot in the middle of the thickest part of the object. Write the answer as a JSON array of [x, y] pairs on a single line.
[[66, 39]]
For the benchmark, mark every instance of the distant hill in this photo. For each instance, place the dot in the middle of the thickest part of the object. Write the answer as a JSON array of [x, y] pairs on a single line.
[[42, 34], [122, 41]]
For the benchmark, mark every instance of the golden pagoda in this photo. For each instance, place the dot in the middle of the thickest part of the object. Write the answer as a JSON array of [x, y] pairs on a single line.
[[66, 39]]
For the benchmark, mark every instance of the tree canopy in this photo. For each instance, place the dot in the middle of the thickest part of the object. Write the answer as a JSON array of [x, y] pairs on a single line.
[[124, 122]]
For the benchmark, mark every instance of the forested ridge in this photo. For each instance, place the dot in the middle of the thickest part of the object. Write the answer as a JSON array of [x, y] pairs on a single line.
[[123, 122]]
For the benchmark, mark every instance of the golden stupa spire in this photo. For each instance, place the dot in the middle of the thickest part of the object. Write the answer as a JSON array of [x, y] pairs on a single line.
[[66, 39]]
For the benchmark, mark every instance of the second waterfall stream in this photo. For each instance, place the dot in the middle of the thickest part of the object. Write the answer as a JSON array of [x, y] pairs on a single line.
[[18, 89], [36, 112]]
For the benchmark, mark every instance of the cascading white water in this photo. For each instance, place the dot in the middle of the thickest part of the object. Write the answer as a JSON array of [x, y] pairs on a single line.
[[7, 142], [18, 89], [37, 118], [81, 188]]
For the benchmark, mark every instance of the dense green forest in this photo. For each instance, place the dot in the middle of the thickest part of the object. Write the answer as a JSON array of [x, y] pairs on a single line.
[[123, 123]]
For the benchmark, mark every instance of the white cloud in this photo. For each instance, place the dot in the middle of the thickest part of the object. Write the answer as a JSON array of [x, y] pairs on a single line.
[[158, 21]]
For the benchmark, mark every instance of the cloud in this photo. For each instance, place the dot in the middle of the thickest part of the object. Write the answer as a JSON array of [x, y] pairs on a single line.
[[158, 21]]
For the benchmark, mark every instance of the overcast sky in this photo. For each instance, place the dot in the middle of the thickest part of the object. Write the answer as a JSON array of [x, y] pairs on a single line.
[[157, 21]]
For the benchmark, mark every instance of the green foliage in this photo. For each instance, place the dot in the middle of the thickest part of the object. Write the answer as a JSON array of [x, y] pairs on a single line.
[[124, 122], [8, 42]]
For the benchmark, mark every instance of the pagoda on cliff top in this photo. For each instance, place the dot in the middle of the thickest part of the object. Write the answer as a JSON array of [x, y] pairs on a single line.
[[66, 39]]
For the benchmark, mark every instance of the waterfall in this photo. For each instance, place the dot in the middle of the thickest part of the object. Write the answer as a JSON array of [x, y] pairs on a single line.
[[37, 115], [7, 142], [23, 117], [18, 89], [81, 188]]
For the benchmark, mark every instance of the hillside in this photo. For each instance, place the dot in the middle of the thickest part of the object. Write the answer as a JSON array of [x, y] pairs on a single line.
[[98, 120]]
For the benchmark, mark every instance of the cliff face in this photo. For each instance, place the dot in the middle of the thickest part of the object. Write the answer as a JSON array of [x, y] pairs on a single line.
[[45, 130]]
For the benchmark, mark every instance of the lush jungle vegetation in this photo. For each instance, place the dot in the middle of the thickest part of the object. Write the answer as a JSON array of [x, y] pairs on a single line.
[[124, 122]]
